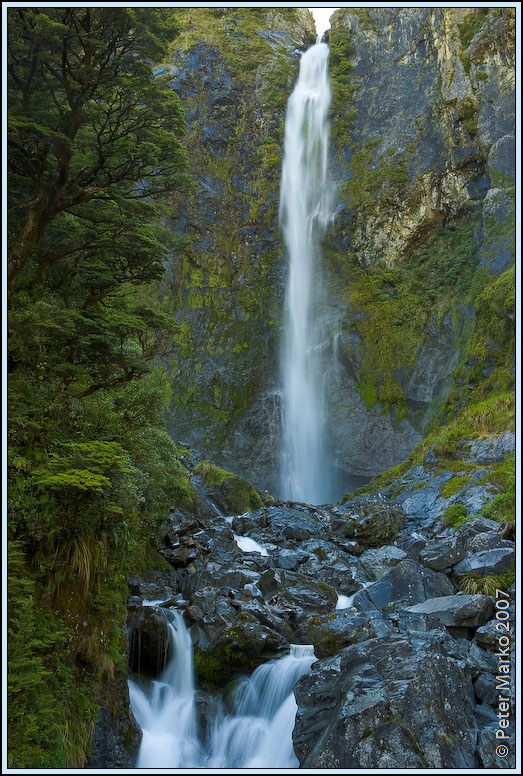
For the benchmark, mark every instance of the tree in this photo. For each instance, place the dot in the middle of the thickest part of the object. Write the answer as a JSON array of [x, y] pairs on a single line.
[[88, 124]]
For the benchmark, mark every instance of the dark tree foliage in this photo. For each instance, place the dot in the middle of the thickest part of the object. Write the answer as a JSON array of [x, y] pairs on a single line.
[[94, 150], [87, 124]]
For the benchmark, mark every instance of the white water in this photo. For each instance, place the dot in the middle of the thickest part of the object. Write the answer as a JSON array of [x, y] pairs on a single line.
[[246, 544], [344, 601], [305, 212], [257, 735]]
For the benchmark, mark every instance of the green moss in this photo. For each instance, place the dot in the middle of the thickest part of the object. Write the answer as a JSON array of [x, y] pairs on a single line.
[[468, 110], [365, 181], [211, 668], [455, 485], [471, 24], [503, 505], [240, 495], [453, 514]]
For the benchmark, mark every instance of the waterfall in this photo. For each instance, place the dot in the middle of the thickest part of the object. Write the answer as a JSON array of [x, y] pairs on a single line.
[[257, 733], [305, 212]]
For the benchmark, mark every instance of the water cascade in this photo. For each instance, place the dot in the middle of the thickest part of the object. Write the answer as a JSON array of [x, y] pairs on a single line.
[[305, 212], [257, 733]]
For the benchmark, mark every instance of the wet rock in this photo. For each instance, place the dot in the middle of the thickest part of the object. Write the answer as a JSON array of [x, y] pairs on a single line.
[[374, 563], [116, 736], [466, 611], [149, 648], [442, 555], [486, 563], [307, 595], [179, 523], [373, 520], [237, 649], [290, 523], [153, 586], [389, 702], [290, 559], [488, 540], [404, 584], [331, 633]]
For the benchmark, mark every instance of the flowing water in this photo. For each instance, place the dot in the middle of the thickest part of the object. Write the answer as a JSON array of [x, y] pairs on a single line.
[[257, 733], [305, 212]]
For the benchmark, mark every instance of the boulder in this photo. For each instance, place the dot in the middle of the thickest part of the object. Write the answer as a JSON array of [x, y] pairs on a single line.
[[374, 563], [476, 526], [487, 563], [237, 649], [331, 633], [442, 555], [460, 611], [486, 636], [374, 520], [406, 583], [488, 540], [392, 702]]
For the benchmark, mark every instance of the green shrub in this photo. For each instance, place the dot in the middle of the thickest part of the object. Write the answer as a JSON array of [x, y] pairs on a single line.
[[454, 514]]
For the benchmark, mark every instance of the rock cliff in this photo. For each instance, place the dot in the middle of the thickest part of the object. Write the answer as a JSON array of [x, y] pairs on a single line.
[[423, 154]]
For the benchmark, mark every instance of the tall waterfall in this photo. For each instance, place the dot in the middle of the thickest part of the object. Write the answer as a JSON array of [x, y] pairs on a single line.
[[305, 212], [255, 733]]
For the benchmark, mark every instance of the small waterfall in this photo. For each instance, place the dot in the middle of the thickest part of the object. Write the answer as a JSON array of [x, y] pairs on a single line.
[[257, 734], [305, 212], [167, 714]]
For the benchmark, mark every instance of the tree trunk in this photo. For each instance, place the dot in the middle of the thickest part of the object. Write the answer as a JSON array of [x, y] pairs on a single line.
[[25, 241]]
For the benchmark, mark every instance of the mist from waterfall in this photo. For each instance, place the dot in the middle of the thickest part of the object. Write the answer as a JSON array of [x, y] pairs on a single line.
[[305, 211]]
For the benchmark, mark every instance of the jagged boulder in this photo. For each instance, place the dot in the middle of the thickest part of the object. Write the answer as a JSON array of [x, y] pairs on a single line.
[[462, 611], [404, 584], [487, 563], [373, 521], [374, 563], [331, 633], [393, 702], [442, 555]]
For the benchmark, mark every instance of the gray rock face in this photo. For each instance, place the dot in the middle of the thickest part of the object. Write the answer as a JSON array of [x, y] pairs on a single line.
[[442, 555], [442, 114], [331, 633], [490, 450], [388, 702], [403, 584], [375, 563], [116, 735], [487, 563], [467, 611]]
